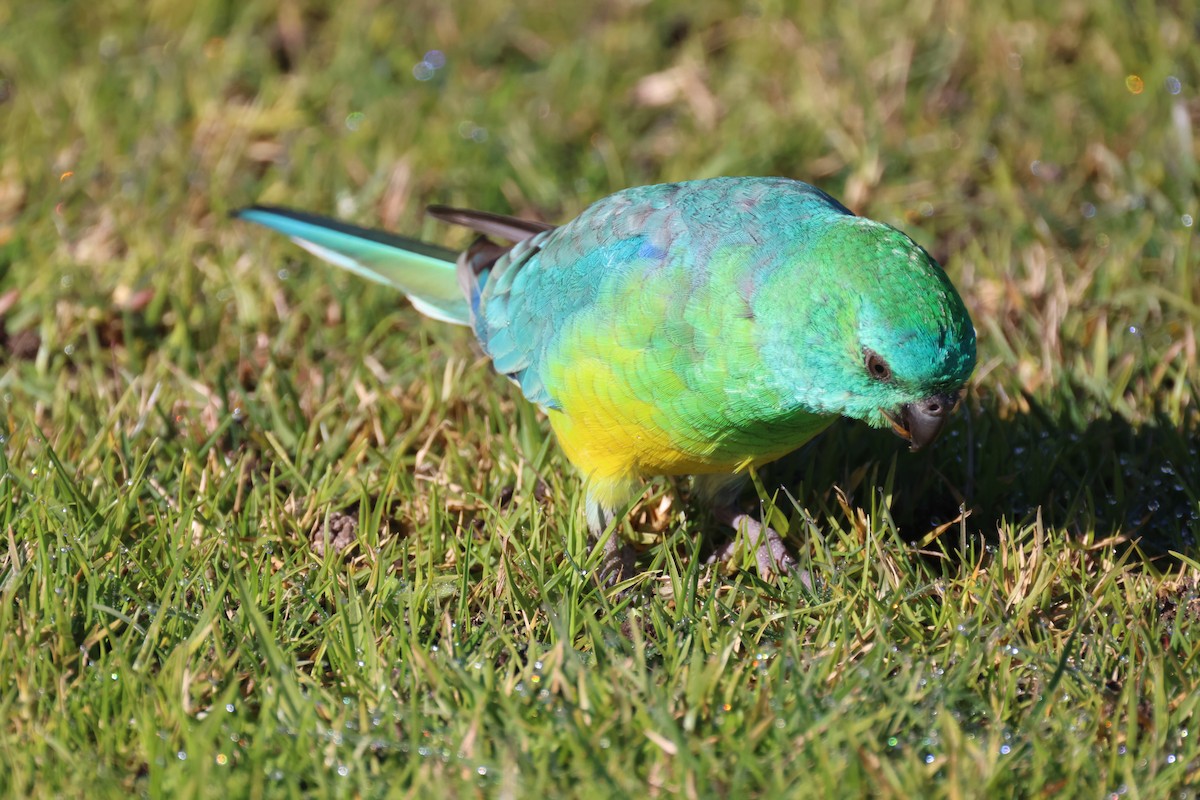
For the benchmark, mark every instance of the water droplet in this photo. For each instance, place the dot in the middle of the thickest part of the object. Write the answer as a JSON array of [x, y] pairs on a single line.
[[1134, 84], [1088, 210], [435, 59], [423, 70], [343, 770], [1174, 86], [354, 120], [1005, 749], [181, 755], [1187, 220]]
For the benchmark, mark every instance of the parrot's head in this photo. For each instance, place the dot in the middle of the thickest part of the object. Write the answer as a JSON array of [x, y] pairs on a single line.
[[887, 339]]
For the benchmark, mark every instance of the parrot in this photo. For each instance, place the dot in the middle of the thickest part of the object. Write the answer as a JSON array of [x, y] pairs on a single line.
[[701, 328]]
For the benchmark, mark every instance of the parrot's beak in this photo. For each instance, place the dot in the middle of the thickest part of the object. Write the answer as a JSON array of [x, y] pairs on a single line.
[[922, 421]]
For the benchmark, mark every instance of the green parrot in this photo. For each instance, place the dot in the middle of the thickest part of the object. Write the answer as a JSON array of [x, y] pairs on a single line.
[[699, 328]]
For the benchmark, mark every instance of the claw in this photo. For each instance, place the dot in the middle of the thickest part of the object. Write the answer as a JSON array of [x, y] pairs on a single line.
[[771, 554]]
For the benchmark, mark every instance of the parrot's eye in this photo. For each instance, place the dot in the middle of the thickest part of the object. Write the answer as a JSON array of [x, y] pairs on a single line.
[[876, 366]]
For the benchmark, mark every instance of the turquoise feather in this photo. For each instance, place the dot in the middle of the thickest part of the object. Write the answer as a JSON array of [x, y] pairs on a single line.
[[423, 272]]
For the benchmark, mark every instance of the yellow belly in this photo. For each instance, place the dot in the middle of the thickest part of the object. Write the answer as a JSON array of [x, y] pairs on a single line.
[[613, 445], [623, 411]]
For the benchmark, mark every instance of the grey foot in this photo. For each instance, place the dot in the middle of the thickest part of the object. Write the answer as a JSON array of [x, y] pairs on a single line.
[[620, 561], [770, 553]]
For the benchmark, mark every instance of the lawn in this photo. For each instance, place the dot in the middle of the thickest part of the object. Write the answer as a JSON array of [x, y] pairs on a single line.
[[266, 531]]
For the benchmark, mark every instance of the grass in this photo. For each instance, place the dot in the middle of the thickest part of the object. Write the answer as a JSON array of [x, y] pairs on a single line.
[[266, 532]]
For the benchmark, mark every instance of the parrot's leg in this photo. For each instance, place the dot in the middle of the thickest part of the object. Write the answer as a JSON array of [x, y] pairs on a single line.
[[770, 553], [620, 559]]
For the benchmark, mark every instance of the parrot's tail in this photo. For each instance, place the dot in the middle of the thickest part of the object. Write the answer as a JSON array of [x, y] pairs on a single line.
[[424, 272]]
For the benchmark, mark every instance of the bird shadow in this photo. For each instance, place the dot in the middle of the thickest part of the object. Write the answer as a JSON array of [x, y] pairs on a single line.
[[1094, 480]]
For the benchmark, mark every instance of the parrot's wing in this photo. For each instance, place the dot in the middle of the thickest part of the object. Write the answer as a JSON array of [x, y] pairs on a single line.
[[510, 228]]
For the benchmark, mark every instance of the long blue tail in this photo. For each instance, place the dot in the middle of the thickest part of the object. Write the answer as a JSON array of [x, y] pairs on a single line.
[[424, 272]]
